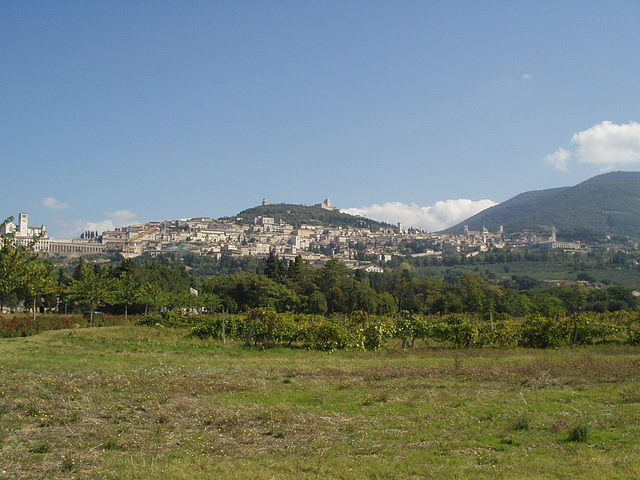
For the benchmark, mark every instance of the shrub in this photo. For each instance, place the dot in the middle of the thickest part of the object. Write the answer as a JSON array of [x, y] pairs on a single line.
[[375, 336], [484, 336], [410, 327], [42, 447], [461, 332], [587, 329], [578, 433], [507, 335], [633, 332], [521, 423], [327, 336], [149, 320], [543, 332], [173, 319], [275, 328], [205, 330], [438, 332]]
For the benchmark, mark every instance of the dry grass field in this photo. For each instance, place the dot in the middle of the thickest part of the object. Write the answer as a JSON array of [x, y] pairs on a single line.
[[133, 402]]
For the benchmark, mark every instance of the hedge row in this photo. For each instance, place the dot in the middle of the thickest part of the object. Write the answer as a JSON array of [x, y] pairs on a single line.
[[362, 331], [24, 326]]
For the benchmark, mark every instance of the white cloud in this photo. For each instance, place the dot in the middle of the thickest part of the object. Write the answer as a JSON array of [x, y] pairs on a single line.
[[607, 145], [559, 159], [113, 221], [436, 217], [122, 218], [53, 204], [526, 76]]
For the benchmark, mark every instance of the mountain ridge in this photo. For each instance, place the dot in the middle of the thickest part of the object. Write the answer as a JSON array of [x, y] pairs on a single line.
[[607, 204]]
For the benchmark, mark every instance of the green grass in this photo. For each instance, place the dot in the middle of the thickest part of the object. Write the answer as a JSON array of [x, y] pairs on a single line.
[[150, 403]]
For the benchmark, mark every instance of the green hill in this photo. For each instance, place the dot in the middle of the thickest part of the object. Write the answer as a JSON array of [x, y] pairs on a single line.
[[297, 215], [608, 204]]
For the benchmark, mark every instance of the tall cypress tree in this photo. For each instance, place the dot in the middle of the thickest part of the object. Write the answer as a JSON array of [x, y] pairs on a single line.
[[272, 268]]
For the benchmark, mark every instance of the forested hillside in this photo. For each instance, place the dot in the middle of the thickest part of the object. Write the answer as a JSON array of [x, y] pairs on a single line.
[[608, 204], [297, 215]]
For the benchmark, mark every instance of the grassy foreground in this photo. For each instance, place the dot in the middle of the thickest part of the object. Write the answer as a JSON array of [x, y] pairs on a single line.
[[149, 403]]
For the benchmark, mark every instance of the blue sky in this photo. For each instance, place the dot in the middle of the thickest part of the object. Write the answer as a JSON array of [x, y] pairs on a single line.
[[418, 112]]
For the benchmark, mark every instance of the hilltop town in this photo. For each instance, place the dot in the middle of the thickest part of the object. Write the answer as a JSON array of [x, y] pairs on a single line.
[[262, 236]]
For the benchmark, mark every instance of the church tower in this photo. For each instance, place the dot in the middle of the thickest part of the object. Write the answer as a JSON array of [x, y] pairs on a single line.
[[23, 225]]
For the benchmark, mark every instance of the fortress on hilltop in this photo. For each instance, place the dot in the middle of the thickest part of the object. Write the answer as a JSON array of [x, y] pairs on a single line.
[[325, 205]]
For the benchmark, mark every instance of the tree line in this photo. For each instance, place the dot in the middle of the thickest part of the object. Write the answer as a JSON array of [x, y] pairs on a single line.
[[149, 285]]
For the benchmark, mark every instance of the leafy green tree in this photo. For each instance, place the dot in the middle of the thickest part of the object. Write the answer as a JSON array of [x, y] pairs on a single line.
[[336, 300], [478, 295], [209, 301], [77, 273], [333, 280], [573, 297], [16, 260], [8, 300], [301, 277], [22, 272], [386, 304], [364, 298], [317, 303], [274, 268], [252, 291], [128, 265], [621, 296], [545, 304], [333, 274], [449, 300], [151, 295], [64, 281], [285, 299], [127, 291], [38, 282], [516, 304], [401, 287], [262, 291], [186, 300], [430, 291], [472, 289], [93, 288], [524, 282], [172, 278]]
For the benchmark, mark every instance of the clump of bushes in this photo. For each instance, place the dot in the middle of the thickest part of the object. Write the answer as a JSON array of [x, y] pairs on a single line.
[[578, 433], [543, 332]]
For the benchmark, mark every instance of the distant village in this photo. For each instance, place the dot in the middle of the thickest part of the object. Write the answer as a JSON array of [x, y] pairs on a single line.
[[264, 236]]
